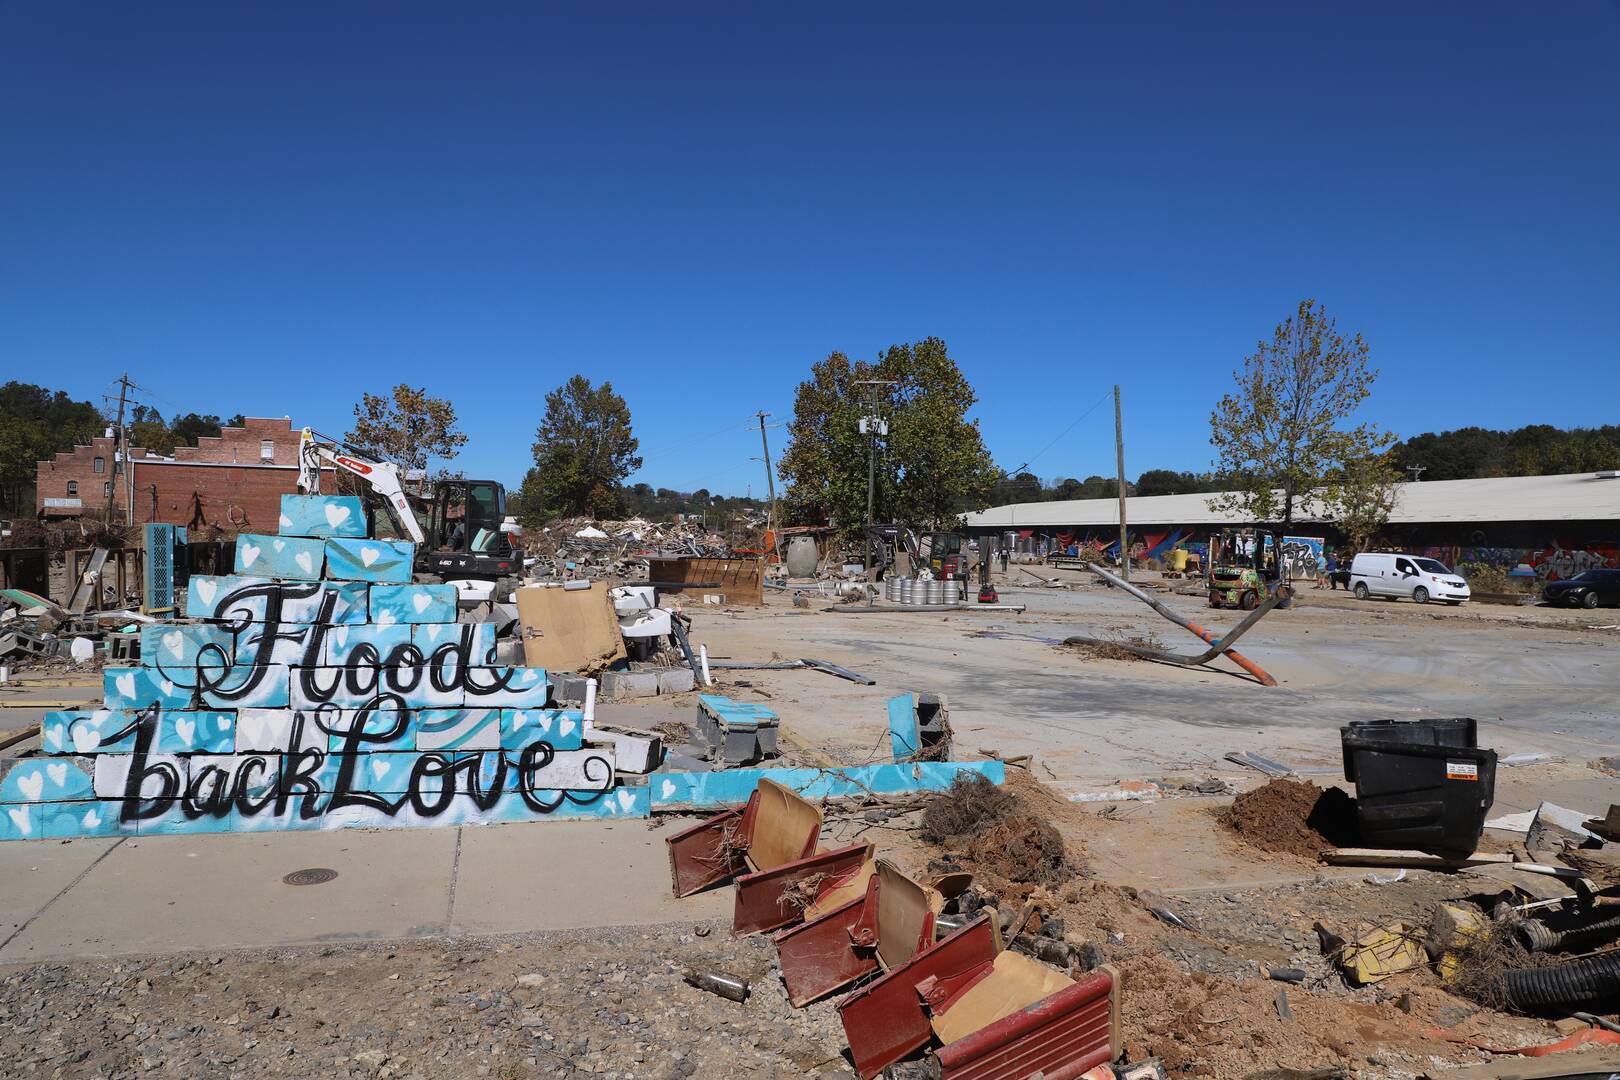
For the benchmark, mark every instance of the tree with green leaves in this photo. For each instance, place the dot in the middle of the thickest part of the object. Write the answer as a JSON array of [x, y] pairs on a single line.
[[36, 423], [407, 427], [1361, 496], [1285, 431], [583, 450], [933, 464]]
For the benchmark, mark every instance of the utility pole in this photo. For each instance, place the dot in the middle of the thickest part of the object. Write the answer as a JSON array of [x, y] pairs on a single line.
[[114, 480], [1119, 454], [770, 480], [1417, 472], [872, 426]]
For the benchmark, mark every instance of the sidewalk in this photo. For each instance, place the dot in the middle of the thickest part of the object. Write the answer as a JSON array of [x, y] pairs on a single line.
[[118, 897]]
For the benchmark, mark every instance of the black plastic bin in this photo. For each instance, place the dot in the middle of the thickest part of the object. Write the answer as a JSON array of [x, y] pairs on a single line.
[[1422, 784]]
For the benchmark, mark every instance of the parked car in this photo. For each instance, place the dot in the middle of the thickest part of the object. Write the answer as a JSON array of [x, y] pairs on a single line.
[[1392, 575], [1587, 589]]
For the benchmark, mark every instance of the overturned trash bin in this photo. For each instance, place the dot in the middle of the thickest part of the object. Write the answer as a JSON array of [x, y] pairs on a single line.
[[1422, 784]]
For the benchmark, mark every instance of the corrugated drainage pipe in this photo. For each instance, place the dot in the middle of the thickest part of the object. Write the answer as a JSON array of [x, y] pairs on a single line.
[[1578, 983], [1537, 937]]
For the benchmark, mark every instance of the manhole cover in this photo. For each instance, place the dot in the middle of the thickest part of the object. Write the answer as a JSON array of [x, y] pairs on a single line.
[[315, 875]]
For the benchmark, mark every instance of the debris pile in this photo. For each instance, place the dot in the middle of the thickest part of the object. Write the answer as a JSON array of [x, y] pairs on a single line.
[[584, 548]]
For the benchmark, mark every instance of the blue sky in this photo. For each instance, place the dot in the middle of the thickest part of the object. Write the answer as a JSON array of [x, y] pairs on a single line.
[[269, 208]]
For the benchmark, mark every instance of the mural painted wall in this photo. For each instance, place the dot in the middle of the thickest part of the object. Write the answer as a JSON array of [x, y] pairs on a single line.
[[1557, 561], [321, 690]]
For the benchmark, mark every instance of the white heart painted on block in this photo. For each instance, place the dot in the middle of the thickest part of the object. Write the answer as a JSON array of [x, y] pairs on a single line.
[[627, 799], [175, 642], [206, 590], [565, 728], [248, 731], [528, 676], [379, 768], [125, 684], [167, 687], [54, 736], [305, 562], [24, 824], [386, 618], [92, 818], [279, 545], [32, 785], [669, 788], [185, 729], [85, 738], [249, 553], [58, 774], [519, 719], [336, 514], [421, 601], [224, 723], [369, 555], [433, 630]]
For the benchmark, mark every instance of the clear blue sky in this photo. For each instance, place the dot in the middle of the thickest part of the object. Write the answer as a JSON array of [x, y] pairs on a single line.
[[268, 208]]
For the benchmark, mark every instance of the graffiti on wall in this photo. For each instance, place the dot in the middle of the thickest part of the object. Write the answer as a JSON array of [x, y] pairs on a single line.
[[1303, 556], [1557, 561]]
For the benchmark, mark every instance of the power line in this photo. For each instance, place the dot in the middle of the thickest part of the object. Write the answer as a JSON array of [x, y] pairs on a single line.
[[1065, 431]]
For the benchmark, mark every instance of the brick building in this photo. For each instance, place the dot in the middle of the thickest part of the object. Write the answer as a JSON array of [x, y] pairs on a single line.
[[233, 482]]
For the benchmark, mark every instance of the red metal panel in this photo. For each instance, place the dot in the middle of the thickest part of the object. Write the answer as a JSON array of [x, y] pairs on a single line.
[[886, 1020], [821, 955], [707, 853], [1060, 1037], [765, 900]]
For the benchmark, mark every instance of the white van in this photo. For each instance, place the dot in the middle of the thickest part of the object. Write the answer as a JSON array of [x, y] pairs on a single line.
[[1391, 575]]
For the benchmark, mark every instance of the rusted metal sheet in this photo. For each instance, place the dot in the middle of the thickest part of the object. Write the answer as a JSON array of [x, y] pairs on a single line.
[[886, 1019], [771, 899], [742, 580], [822, 955], [708, 853], [1060, 1037]]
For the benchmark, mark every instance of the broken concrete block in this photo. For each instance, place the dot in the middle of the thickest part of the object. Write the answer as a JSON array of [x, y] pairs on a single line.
[[635, 751], [566, 687], [1388, 950], [676, 681], [629, 684]]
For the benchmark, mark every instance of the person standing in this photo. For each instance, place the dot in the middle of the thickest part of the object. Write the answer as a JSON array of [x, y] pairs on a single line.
[[1330, 566]]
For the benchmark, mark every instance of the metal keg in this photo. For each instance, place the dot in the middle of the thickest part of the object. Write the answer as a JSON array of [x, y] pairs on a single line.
[[907, 589], [891, 588], [936, 592]]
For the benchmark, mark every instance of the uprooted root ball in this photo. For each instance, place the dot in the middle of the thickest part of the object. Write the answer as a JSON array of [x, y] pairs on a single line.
[[1022, 849], [969, 806]]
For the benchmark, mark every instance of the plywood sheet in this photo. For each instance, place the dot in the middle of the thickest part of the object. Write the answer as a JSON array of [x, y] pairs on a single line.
[[569, 629]]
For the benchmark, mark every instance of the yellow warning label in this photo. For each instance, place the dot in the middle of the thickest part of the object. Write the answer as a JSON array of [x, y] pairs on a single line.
[[1462, 770]]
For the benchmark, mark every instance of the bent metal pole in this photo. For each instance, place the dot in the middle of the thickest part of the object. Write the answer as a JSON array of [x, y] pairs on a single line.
[[1191, 627]]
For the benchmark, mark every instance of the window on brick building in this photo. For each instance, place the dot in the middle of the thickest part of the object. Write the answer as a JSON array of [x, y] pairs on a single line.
[[73, 487], [101, 465], [267, 450]]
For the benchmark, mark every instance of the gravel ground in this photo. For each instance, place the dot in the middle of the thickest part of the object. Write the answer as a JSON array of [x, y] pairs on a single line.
[[601, 1003]]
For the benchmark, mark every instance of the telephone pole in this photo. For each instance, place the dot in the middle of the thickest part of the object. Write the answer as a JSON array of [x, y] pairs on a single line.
[[119, 454], [1119, 454], [872, 426], [770, 480]]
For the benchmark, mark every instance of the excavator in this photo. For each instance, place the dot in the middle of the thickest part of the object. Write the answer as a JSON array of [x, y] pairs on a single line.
[[467, 540]]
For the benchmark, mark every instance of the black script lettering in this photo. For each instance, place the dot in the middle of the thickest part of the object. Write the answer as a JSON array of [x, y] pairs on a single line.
[[137, 808]]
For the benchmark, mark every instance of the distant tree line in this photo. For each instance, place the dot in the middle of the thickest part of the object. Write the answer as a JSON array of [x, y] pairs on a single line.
[[1534, 450], [36, 423], [662, 504], [1027, 487]]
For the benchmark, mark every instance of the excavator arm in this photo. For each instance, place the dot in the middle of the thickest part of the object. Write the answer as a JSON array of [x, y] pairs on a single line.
[[316, 450]]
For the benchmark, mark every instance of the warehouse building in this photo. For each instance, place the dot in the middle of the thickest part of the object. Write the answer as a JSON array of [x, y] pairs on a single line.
[[1559, 525]]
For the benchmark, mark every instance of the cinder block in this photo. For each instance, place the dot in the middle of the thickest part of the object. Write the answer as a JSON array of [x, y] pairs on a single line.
[[216, 778], [170, 646], [261, 687], [136, 688], [88, 731], [676, 681], [386, 561], [112, 774], [45, 779], [380, 729], [478, 639], [458, 729], [392, 604], [181, 732], [64, 820], [563, 729], [219, 596], [266, 731], [290, 645], [382, 644], [20, 821], [567, 687], [287, 558], [507, 688], [629, 684], [322, 516], [334, 603]]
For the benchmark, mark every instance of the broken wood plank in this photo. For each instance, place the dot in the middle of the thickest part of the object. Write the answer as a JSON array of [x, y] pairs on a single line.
[[1413, 860], [18, 736]]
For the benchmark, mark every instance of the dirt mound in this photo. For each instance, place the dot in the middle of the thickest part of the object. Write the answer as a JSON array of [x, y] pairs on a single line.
[[1022, 849], [1293, 817], [969, 806]]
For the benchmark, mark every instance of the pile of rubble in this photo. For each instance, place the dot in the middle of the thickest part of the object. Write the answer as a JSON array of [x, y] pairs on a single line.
[[584, 548], [36, 631]]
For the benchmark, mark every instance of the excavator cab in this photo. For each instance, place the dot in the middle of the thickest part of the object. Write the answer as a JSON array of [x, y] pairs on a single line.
[[465, 534]]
